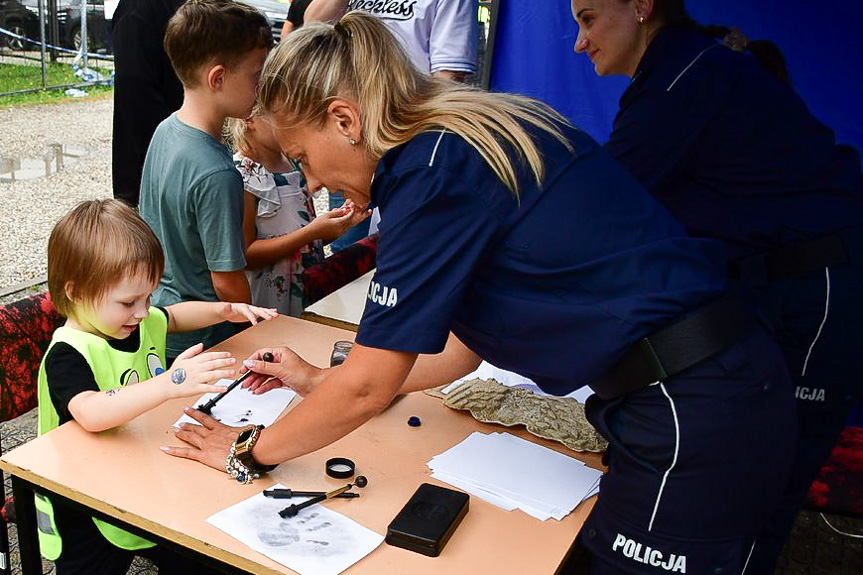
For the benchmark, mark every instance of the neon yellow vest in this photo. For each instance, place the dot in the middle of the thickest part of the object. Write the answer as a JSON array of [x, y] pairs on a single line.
[[111, 369]]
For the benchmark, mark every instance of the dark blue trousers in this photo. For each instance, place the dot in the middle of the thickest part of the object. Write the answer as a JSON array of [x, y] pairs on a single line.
[[817, 322], [696, 465]]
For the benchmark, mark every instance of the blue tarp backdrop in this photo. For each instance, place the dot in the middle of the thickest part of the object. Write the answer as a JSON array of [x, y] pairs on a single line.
[[533, 55]]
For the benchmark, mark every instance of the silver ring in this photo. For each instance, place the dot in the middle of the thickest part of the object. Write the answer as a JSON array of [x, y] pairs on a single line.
[[178, 376]]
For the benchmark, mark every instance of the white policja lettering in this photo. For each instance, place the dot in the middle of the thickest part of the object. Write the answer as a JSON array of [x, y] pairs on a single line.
[[383, 295], [648, 555], [809, 394]]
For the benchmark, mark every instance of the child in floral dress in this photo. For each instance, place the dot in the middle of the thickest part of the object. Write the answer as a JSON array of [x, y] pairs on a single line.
[[283, 235]]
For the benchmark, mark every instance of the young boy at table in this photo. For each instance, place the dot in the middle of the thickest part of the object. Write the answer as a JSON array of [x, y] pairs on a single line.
[[191, 193], [104, 366]]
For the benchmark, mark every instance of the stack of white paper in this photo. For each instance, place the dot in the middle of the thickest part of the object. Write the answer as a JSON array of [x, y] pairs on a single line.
[[512, 379], [514, 473]]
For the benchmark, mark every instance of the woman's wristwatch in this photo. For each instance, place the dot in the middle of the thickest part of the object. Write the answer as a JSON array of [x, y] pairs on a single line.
[[240, 464]]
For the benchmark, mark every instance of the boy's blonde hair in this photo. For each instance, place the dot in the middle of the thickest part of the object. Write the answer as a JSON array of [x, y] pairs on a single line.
[[210, 32], [93, 247], [359, 59]]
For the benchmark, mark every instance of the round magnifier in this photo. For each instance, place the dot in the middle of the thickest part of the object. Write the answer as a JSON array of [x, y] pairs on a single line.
[[340, 467]]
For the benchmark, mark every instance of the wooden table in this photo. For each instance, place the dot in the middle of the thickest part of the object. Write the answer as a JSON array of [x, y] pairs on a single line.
[[122, 475], [344, 307]]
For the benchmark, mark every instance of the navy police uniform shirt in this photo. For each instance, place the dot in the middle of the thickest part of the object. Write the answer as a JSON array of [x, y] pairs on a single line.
[[555, 285], [731, 150]]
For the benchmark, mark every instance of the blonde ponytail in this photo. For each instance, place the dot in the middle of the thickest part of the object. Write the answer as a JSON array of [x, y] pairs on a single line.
[[359, 59]]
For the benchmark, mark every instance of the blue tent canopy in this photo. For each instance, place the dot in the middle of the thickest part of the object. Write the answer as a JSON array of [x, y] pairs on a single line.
[[533, 55]]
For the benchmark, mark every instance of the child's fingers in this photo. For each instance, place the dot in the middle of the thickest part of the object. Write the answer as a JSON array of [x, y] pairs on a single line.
[[343, 217], [222, 365], [267, 312], [214, 356], [249, 315], [211, 376], [191, 352]]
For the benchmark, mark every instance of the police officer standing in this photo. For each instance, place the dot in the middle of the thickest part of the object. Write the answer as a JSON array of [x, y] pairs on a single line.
[[735, 155]]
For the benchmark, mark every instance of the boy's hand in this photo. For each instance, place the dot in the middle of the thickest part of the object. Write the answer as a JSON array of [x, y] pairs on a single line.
[[193, 372], [330, 225], [242, 312]]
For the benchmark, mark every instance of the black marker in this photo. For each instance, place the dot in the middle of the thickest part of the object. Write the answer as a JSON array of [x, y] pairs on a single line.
[[208, 407], [294, 509], [288, 493]]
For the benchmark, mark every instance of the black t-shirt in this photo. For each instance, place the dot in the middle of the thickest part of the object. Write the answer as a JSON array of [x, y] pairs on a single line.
[[146, 89], [69, 374], [297, 12]]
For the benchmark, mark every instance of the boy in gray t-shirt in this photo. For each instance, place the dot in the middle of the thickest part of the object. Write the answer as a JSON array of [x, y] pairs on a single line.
[[191, 193]]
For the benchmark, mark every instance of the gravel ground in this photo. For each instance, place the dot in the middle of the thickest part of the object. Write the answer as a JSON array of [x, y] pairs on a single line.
[[32, 207]]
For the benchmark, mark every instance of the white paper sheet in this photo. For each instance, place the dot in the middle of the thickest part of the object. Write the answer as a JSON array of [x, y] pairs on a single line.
[[242, 407], [508, 471], [318, 541], [511, 379]]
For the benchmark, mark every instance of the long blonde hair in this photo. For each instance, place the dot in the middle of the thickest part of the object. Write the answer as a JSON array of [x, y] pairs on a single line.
[[359, 59]]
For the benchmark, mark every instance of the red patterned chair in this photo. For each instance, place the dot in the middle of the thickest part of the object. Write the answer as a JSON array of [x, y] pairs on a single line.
[[838, 489], [26, 327], [339, 269]]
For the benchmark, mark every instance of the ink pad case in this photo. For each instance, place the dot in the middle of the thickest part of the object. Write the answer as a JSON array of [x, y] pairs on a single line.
[[428, 519]]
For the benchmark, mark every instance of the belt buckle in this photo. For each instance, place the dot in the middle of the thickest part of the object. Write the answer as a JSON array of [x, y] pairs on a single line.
[[653, 360]]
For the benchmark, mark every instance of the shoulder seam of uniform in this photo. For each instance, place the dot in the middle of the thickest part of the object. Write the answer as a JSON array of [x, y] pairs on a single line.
[[688, 66], [434, 151]]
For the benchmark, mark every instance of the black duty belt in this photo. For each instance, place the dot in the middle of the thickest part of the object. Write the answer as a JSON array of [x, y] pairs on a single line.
[[800, 258], [699, 335], [805, 257]]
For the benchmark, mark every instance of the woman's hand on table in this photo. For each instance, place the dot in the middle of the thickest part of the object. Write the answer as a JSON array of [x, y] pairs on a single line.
[[208, 443], [286, 369]]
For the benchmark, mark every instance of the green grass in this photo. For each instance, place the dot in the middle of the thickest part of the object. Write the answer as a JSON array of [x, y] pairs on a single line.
[[22, 77]]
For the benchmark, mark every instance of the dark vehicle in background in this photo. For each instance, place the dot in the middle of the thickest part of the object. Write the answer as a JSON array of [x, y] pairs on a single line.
[[17, 19], [69, 20], [64, 30], [276, 13]]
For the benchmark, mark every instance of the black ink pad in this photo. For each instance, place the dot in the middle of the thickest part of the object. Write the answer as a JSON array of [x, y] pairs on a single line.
[[428, 519]]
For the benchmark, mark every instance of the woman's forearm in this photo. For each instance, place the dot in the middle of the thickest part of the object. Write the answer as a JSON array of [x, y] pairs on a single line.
[[347, 397], [429, 371], [325, 11]]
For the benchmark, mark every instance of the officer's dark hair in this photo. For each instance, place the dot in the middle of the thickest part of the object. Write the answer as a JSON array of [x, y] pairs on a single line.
[[672, 13], [766, 53]]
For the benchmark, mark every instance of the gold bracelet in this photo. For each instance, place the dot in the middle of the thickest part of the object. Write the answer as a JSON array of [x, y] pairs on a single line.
[[240, 464]]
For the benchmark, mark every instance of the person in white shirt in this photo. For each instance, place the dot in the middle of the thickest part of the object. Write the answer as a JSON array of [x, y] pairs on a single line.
[[440, 36]]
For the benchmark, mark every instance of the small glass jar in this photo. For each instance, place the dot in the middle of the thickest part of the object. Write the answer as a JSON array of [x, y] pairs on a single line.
[[341, 349]]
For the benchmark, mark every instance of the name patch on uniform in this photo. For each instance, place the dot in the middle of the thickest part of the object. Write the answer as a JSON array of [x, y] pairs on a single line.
[[393, 9], [383, 295], [631, 549], [809, 393]]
